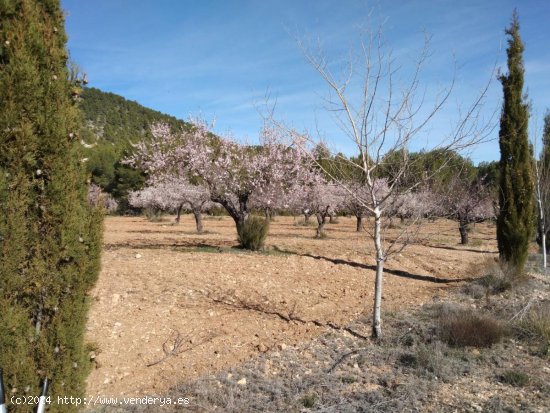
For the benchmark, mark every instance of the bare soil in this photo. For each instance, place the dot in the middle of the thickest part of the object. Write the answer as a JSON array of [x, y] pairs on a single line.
[[171, 305]]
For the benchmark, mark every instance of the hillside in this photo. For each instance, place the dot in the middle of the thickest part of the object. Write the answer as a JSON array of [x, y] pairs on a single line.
[[111, 124], [116, 120]]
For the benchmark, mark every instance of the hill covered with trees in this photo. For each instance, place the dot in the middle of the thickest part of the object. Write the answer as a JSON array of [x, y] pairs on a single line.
[[112, 124]]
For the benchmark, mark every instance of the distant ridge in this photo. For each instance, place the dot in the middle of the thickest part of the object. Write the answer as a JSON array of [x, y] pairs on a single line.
[[114, 119]]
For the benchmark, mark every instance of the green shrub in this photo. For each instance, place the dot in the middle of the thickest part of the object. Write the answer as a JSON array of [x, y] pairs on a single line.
[[253, 233], [308, 401], [467, 328], [408, 360], [515, 378]]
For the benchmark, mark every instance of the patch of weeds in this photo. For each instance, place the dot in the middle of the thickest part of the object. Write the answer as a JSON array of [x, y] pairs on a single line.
[[408, 360], [153, 215], [536, 326], [476, 243], [349, 379], [309, 400], [304, 223], [515, 378], [468, 328], [214, 217], [211, 249], [322, 235], [474, 290], [431, 361], [496, 404], [498, 276]]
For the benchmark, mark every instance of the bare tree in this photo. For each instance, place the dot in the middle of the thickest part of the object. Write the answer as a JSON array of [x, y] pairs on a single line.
[[382, 113]]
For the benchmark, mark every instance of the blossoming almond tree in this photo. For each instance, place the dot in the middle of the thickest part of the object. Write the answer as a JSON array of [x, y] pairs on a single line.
[[233, 173], [467, 201], [323, 199], [173, 193]]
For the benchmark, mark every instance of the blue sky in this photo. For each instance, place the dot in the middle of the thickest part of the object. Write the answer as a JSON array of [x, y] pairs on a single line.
[[220, 58]]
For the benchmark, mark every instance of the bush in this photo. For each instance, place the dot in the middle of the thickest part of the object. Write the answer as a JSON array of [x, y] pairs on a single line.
[[466, 328], [253, 233], [308, 401], [515, 378]]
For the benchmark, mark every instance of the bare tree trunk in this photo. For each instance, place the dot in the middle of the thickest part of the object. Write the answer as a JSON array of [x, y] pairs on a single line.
[[359, 223], [463, 228], [321, 219], [178, 214], [239, 215], [377, 312], [332, 219], [268, 215], [198, 220], [306, 219], [544, 263], [542, 227]]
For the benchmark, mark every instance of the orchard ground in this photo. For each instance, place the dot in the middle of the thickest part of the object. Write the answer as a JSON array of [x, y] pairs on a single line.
[[172, 305]]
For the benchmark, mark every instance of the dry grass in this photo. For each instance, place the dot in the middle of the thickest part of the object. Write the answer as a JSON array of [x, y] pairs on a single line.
[[468, 328], [535, 326]]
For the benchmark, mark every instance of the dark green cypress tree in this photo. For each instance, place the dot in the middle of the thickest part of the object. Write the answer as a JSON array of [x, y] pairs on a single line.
[[50, 238], [516, 217], [545, 155], [544, 177]]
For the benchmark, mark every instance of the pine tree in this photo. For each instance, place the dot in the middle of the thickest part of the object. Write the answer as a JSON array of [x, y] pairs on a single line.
[[516, 217], [50, 238]]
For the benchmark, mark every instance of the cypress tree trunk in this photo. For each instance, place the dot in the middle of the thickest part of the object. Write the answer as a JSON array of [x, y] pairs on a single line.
[[516, 218], [50, 238]]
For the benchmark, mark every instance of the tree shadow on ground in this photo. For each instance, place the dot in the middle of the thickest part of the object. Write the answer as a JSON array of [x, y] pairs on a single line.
[[446, 247], [398, 273]]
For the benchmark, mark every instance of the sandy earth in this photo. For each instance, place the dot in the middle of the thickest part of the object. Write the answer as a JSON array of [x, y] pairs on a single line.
[[219, 306]]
